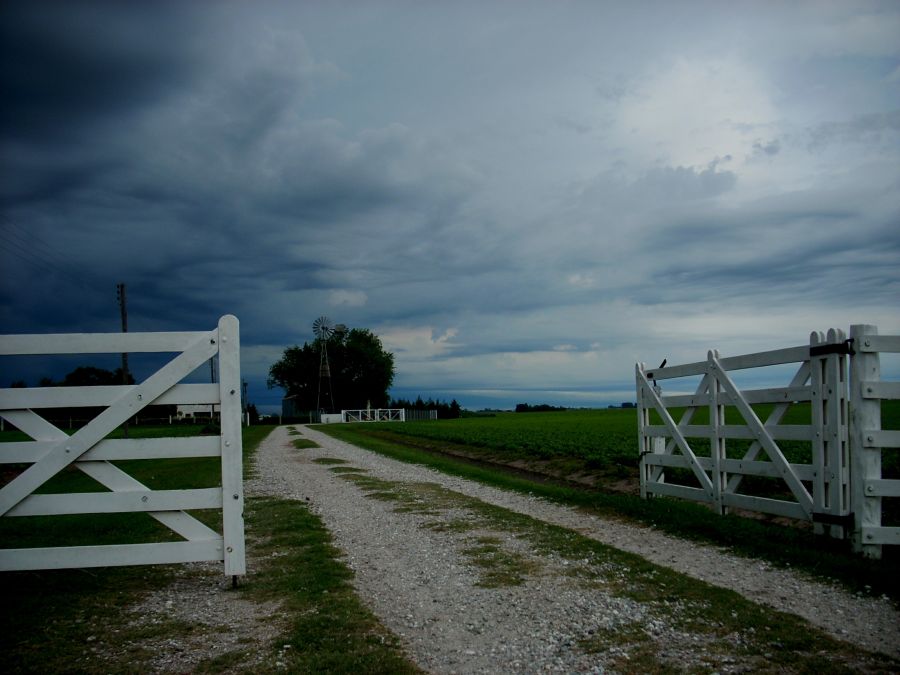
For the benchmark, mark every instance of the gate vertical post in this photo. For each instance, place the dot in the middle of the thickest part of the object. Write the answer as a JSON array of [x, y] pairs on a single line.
[[837, 454], [829, 420], [232, 450], [716, 439], [642, 420], [817, 418], [865, 459]]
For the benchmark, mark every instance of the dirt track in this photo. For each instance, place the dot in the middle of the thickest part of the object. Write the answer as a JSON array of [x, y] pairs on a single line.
[[427, 591]]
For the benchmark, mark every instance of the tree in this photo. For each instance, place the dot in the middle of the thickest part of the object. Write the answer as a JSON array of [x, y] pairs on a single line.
[[361, 372], [89, 376]]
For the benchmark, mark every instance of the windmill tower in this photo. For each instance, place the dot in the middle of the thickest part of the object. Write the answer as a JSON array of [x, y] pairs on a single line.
[[323, 330]]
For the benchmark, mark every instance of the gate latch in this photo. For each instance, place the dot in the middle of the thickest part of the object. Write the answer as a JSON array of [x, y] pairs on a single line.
[[845, 347]]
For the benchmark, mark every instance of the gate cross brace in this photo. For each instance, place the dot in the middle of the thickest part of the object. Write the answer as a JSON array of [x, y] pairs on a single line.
[[677, 435], [758, 428]]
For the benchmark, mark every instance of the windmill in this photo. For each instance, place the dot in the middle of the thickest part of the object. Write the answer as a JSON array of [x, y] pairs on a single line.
[[323, 330]]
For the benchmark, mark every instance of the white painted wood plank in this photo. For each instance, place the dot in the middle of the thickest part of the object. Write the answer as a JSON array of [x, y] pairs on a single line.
[[118, 502], [878, 343], [758, 360], [668, 461], [881, 535], [137, 448], [764, 469], [882, 487], [785, 432], [232, 460], [879, 389], [865, 414], [752, 396], [775, 507], [70, 557], [881, 438], [85, 397], [774, 357], [777, 395], [685, 400], [680, 491], [97, 343], [672, 372]]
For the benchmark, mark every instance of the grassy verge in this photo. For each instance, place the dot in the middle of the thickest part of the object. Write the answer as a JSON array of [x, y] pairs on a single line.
[[56, 620], [784, 546]]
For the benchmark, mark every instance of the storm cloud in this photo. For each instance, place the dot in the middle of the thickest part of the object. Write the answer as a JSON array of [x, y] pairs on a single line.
[[521, 200]]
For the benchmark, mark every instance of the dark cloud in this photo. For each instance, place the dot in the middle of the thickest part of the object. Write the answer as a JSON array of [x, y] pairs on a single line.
[[489, 205], [69, 66]]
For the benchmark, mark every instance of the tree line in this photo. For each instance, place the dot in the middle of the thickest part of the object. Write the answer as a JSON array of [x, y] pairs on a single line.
[[445, 411]]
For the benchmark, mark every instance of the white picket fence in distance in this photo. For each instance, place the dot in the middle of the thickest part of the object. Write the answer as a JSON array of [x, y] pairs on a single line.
[[51, 450], [839, 488]]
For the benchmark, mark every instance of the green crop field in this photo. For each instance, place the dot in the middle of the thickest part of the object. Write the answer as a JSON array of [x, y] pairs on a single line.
[[602, 435], [603, 440]]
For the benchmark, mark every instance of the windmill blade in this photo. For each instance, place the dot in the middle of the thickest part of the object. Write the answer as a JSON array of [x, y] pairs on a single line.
[[322, 328]]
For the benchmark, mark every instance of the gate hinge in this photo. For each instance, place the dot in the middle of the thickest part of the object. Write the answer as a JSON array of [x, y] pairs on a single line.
[[845, 347], [833, 519]]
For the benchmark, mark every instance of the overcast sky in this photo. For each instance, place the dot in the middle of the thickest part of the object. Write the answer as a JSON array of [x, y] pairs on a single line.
[[522, 199]]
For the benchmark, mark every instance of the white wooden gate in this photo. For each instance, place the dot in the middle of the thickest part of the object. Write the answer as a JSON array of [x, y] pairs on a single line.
[[815, 489], [88, 449], [840, 486]]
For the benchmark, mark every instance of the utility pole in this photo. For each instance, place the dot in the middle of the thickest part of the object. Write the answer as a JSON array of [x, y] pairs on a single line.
[[123, 309]]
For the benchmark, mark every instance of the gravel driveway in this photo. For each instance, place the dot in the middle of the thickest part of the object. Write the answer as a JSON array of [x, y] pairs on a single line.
[[423, 573]]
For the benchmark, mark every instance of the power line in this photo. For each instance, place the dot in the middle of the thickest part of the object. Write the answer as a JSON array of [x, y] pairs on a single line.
[[32, 249], [35, 243]]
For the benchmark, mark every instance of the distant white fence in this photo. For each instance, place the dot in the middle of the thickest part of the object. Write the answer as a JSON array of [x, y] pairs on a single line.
[[696, 461], [374, 415], [415, 415], [89, 450]]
